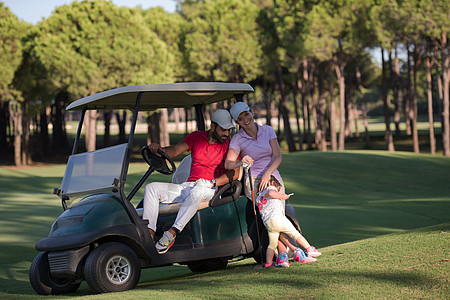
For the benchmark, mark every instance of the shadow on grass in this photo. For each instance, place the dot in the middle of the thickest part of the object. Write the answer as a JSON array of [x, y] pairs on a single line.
[[15, 263], [241, 282]]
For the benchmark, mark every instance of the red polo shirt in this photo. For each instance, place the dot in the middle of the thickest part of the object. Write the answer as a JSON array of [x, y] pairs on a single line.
[[208, 160]]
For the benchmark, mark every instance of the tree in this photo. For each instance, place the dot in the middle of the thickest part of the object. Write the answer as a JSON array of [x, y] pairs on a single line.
[[11, 32], [434, 23], [337, 31], [92, 46], [170, 28], [221, 43]]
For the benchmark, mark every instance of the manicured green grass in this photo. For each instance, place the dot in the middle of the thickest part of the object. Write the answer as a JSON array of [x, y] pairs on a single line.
[[346, 203]]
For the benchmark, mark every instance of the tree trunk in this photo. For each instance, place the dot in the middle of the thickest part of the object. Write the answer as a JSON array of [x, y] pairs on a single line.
[[121, 121], [408, 96], [16, 115], [321, 116], [314, 101], [355, 115], [59, 139], [26, 150], [333, 137], [279, 119], [348, 116], [446, 104], [395, 91], [153, 123], [186, 119], [267, 102], [107, 120], [430, 107], [44, 137], [388, 134], [413, 110], [164, 133], [296, 86], [439, 94], [305, 103], [348, 109], [339, 68], [90, 120], [363, 107], [284, 111], [3, 123]]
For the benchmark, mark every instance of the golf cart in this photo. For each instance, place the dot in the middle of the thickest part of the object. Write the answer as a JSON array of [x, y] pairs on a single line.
[[101, 236]]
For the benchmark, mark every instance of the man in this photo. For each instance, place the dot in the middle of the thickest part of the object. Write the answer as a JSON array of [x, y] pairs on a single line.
[[208, 152]]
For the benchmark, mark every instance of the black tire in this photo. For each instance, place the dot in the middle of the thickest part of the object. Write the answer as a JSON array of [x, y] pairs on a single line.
[[112, 267], [44, 284], [208, 265]]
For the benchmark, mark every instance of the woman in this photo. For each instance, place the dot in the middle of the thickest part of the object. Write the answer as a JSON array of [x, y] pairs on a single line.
[[257, 145]]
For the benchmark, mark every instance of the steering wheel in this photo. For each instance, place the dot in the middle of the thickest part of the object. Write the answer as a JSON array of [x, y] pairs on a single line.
[[159, 162]]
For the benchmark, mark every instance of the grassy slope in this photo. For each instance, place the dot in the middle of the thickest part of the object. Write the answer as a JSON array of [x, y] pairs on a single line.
[[359, 194], [339, 197]]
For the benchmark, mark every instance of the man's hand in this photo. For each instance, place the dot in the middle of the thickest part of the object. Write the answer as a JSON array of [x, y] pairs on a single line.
[[154, 147], [204, 182]]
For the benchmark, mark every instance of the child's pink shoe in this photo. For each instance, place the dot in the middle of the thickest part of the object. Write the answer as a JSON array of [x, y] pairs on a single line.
[[269, 265], [313, 251], [300, 256], [282, 260]]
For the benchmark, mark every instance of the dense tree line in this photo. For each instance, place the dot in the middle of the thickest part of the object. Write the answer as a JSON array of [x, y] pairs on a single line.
[[308, 60]]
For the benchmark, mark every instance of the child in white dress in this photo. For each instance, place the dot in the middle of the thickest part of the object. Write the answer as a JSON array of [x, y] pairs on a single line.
[[273, 217]]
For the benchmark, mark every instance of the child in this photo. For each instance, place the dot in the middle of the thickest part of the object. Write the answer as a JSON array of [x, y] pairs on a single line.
[[272, 214]]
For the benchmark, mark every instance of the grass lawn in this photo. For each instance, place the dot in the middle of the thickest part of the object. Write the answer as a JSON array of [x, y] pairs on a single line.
[[382, 221]]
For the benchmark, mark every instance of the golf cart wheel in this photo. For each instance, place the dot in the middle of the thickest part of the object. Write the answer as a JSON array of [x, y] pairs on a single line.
[[112, 267], [208, 265], [44, 284]]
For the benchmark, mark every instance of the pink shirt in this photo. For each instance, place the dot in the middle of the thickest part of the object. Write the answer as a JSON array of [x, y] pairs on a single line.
[[208, 160], [259, 149]]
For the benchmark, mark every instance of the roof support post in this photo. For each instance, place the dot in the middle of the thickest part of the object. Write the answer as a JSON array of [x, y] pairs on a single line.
[[199, 117], [77, 137], [126, 161]]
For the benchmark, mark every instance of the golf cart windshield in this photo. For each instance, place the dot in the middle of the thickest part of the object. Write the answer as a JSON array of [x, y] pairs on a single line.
[[91, 172]]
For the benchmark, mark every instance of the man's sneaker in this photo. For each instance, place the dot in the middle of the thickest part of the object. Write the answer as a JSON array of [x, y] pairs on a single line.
[[313, 251], [165, 242], [269, 265], [282, 260], [300, 256]]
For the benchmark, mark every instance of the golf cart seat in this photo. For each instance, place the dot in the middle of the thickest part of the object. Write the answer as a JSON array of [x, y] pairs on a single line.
[[226, 194]]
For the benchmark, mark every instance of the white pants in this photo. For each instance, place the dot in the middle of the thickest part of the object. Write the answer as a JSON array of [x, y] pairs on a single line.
[[277, 225], [187, 193]]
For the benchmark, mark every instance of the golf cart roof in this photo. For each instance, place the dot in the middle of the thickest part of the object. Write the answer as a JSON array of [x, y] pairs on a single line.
[[185, 94]]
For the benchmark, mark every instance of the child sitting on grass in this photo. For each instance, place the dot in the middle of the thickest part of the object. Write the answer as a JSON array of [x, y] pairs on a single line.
[[272, 213]]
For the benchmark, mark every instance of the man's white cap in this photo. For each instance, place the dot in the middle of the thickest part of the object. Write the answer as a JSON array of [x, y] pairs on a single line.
[[238, 108], [223, 118]]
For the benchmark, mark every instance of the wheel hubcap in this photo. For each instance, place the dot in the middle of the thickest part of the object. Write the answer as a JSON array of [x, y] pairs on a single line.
[[118, 269]]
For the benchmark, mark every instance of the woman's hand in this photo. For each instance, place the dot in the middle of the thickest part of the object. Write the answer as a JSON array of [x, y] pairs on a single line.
[[248, 160], [264, 183]]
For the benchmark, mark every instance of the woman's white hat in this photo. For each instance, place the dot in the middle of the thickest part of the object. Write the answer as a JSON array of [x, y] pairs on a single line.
[[223, 118], [237, 109]]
